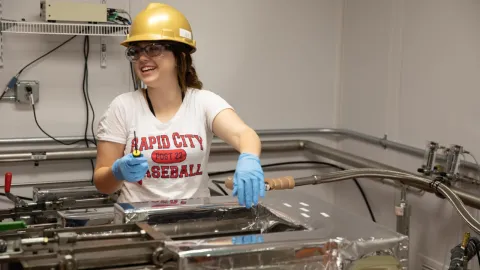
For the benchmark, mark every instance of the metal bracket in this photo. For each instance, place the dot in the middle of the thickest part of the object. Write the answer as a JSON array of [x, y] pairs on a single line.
[[383, 140], [103, 53], [1, 36], [103, 47]]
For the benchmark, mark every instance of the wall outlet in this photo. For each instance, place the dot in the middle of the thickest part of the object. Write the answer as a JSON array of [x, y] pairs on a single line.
[[22, 91]]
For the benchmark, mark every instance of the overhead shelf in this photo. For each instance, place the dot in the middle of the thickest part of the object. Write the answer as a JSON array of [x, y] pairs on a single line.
[[50, 28], [54, 28]]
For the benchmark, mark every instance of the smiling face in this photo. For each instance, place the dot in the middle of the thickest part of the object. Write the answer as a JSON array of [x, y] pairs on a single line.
[[163, 63], [153, 63]]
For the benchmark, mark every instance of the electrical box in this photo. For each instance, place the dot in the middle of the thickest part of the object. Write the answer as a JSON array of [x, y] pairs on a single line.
[[23, 89], [70, 11]]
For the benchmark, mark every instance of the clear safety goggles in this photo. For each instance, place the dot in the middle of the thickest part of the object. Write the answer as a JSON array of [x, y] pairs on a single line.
[[151, 50]]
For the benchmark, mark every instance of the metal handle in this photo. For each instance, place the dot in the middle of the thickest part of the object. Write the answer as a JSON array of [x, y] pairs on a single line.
[[285, 182], [8, 182]]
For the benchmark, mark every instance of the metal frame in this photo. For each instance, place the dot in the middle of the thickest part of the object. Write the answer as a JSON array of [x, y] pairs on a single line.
[[383, 141], [1, 36], [81, 29], [103, 47], [276, 233], [323, 151]]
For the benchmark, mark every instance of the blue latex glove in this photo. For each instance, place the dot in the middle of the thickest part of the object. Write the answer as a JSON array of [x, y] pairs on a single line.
[[130, 168], [248, 180], [247, 239]]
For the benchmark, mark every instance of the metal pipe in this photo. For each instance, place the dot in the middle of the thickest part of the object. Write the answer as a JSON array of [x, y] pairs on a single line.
[[40, 140], [411, 179], [379, 141], [267, 146], [346, 158], [360, 162], [111, 235], [8, 98], [402, 212], [217, 148], [80, 183], [272, 132], [91, 153]]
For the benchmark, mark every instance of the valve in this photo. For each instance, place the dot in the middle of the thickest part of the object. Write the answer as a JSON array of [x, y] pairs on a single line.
[[453, 161], [429, 158]]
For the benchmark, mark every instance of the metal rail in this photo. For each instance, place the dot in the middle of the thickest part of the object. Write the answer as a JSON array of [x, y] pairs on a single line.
[[289, 145], [267, 146], [91, 153], [378, 141], [87, 182], [217, 148]]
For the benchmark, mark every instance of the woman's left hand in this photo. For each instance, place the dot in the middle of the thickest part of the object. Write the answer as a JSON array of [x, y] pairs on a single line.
[[248, 180]]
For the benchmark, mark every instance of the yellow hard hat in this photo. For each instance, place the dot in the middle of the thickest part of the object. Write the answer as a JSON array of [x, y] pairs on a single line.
[[161, 22]]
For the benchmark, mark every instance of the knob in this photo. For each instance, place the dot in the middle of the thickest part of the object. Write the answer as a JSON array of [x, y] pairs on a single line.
[[8, 182]]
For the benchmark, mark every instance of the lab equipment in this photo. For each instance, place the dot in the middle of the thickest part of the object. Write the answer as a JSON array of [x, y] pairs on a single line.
[[72, 11]]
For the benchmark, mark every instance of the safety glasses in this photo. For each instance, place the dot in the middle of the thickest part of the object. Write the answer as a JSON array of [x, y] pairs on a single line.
[[151, 50]]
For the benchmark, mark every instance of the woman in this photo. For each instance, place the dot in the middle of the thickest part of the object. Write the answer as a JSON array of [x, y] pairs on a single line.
[[171, 122]]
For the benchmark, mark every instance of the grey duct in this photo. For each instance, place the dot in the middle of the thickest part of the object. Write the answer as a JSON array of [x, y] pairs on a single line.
[[379, 141]]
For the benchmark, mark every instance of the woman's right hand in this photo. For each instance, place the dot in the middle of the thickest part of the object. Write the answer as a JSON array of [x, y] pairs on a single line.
[[130, 168]]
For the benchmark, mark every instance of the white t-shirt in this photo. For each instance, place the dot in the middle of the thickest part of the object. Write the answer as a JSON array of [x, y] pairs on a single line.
[[177, 151]]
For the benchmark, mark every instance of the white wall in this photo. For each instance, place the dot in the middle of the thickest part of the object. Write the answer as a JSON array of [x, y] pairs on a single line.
[[275, 66], [410, 70]]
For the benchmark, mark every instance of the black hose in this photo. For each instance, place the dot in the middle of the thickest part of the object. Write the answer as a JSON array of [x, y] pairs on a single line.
[[221, 189], [458, 253]]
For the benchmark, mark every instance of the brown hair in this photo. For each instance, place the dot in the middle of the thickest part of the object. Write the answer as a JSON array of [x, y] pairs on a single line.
[[186, 73]]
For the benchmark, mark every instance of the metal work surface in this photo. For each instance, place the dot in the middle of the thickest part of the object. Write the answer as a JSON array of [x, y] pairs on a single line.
[[288, 230], [53, 194], [290, 225], [63, 205]]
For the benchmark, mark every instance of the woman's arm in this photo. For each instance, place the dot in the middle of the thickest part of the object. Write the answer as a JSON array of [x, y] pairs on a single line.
[[228, 126], [103, 178], [248, 180]]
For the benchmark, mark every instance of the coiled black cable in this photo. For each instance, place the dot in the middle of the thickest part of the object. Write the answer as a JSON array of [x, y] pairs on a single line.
[[88, 102]]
